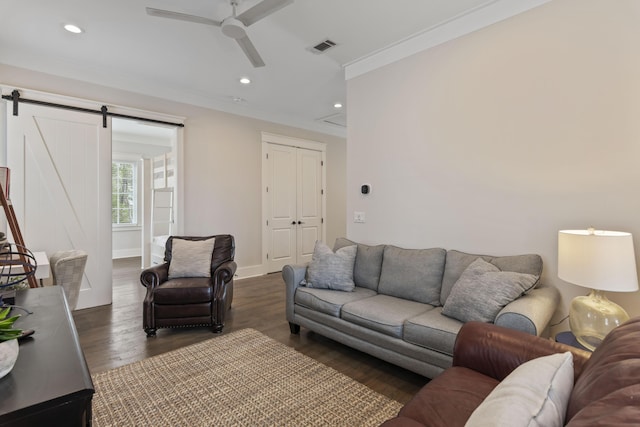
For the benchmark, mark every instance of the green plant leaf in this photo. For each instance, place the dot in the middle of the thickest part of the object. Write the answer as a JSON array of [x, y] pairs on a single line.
[[10, 334], [7, 323], [7, 332]]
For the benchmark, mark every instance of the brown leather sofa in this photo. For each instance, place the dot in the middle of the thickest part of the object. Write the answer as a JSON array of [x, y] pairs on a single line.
[[190, 301], [606, 390]]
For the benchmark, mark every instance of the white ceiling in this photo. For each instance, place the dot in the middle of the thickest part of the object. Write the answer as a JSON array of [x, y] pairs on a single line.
[[125, 48]]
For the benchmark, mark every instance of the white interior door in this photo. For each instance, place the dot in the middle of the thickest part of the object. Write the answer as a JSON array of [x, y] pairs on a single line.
[[294, 205], [309, 203], [60, 165], [281, 196]]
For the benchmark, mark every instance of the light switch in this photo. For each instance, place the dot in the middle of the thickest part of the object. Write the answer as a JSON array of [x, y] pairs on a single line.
[[358, 217]]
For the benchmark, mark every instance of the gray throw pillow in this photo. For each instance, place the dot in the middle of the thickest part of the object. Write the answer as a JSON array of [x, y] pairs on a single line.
[[191, 258], [329, 270], [483, 290], [458, 261]]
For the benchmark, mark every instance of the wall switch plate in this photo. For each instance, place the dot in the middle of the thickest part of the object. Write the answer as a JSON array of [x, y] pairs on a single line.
[[358, 217]]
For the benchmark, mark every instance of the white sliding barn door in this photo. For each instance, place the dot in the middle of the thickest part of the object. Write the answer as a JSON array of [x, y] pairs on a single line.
[[294, 200], [60, 165]]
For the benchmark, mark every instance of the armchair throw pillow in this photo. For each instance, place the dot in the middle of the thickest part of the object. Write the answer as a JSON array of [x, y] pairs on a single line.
[[191, 258], [483, 290]]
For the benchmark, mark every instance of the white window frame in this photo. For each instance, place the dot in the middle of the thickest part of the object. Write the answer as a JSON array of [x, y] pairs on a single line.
[[135, 160]]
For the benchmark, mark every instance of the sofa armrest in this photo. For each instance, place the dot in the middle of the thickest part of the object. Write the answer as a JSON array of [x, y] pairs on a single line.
[[532, 312], [292, 275], [495, 351]]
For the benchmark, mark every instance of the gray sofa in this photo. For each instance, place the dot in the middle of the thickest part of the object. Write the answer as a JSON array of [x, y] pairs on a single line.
[[395, 311]]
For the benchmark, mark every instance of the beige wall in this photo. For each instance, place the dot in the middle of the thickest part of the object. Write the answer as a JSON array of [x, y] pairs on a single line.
[[493, 142], [222, 162]]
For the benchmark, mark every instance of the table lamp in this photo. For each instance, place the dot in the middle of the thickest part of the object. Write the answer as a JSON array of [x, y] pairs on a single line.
[[602, 261]]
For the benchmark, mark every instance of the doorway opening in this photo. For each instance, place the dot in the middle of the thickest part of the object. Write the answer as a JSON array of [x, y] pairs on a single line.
[[144, 182]]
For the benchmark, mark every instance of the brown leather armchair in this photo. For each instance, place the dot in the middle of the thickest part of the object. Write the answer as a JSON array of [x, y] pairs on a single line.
[[190, 301]]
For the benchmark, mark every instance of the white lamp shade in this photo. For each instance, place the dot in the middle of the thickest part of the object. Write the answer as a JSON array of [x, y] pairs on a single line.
[[602, 260]]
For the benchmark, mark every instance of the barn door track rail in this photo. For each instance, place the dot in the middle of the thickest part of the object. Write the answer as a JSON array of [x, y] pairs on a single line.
[[103, 111]]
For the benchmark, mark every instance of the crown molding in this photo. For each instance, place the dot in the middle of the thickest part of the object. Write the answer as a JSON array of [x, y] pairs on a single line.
[[475, 19]]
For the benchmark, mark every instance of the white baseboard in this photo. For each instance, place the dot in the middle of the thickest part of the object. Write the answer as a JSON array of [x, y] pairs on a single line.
[[126, 253], [250, 271]]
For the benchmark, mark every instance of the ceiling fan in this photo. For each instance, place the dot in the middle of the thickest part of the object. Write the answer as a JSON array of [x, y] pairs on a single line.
[[234, 26]]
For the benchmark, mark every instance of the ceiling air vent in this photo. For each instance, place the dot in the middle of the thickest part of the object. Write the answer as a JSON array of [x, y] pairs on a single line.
[[337, 119], [322, 46]]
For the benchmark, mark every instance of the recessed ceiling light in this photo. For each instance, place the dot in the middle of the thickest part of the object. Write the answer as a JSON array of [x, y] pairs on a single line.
[[337, 105], [245, 80], [73, 28]]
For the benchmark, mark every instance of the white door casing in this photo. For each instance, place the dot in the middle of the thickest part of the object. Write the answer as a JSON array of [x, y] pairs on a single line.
[[60, 164], [293, 199]]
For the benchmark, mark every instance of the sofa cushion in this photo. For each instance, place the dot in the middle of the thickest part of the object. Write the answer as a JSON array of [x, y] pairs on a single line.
[[366, 271], [331, 270], [341, 242], [614, 365], [458, 261], [191, 258], [432, 330], [483, 290], [189, 290], [412, 274], [329, 301], [383, 313], [536, 393]]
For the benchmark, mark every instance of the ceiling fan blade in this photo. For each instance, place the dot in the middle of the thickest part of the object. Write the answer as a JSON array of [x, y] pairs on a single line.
[[182, 16], [250, 50], [260, 10]]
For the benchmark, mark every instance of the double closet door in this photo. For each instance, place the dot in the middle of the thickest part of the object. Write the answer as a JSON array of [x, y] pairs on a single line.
[[294, 204]]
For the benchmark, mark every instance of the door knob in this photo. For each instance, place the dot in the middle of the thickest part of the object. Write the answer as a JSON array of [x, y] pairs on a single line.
[[293, 223], [300, 222]]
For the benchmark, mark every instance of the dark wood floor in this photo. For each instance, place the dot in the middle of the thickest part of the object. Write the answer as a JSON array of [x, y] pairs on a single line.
[[112, 336]]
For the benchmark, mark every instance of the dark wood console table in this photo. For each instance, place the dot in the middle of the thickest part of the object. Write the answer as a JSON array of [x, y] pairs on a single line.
[[50, 384]]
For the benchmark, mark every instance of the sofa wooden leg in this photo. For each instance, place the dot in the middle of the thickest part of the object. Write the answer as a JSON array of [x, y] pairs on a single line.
[[217, 329], [295, 329], [151, 332]]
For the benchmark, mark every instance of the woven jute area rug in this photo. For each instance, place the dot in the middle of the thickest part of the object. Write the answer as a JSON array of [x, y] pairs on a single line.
[[241, 379]]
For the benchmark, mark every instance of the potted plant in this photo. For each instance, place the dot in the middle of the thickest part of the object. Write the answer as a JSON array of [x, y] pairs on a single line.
[[8, 341]]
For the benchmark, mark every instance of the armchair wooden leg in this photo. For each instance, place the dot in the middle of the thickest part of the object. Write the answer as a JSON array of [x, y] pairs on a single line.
[[295, 329], [151, 332], [217, 328]]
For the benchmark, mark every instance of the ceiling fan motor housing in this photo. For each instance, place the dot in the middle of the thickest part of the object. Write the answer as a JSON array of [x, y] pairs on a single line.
[[231, 27]]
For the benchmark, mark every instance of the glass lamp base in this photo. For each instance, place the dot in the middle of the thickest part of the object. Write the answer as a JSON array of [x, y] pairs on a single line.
[[593, 316]]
